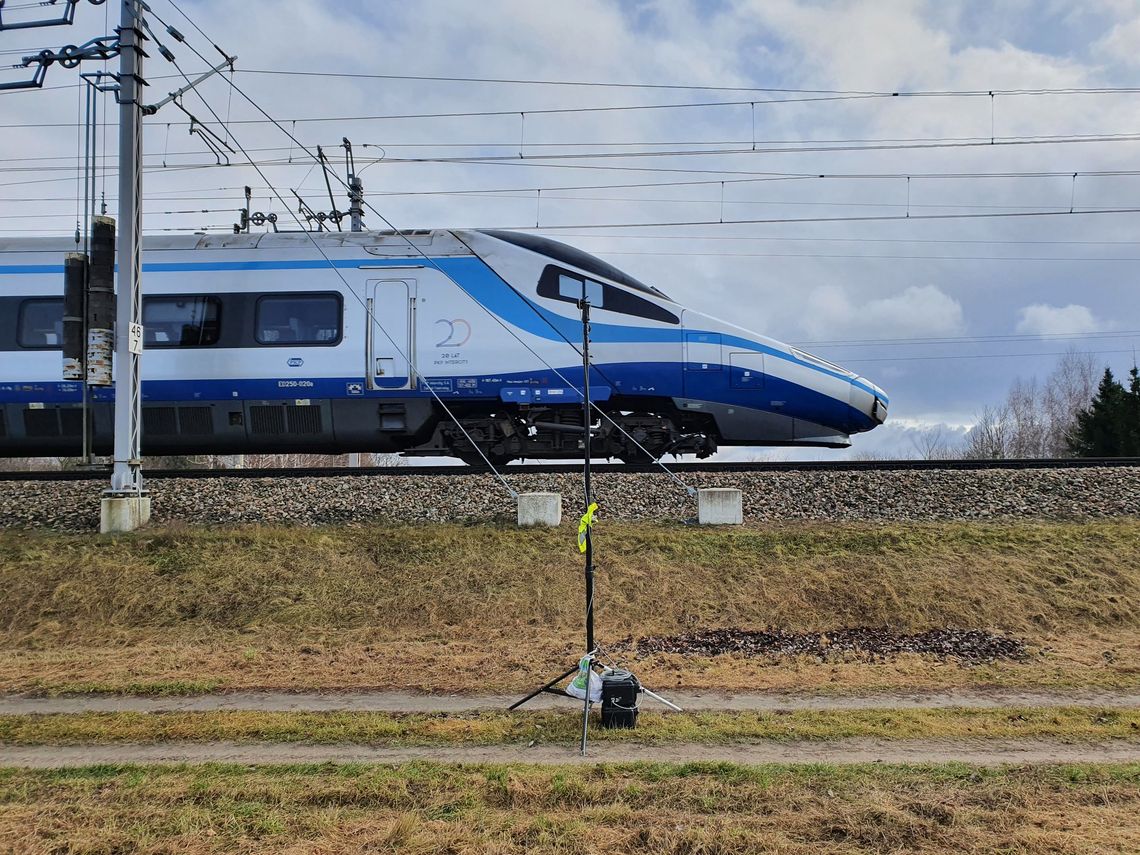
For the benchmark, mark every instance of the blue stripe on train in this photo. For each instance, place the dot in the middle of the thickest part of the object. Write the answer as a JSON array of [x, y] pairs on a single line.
[[478, 280], [645, 379]]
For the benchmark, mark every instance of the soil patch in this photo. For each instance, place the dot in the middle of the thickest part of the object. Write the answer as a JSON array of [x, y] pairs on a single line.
[[979, 752], [966, 646], [406, 702]]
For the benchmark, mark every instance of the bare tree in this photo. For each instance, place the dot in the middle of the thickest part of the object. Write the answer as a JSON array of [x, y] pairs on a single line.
[[1035, 420], [988, 439], [1027, 429], [1068, 391], [868, 456], [302, 460], [933, 445], [29, 464]]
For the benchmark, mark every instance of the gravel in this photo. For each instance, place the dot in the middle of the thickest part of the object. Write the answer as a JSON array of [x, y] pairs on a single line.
[[908, 495], [966, 646]]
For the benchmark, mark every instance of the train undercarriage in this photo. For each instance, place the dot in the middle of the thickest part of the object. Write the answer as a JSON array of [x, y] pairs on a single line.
[[550, 433], [633, 431]]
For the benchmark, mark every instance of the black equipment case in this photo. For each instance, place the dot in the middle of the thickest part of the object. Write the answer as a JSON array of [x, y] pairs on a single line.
[[619, 699]]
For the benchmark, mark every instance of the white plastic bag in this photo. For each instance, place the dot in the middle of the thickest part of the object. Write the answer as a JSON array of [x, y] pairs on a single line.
[[577, 686]]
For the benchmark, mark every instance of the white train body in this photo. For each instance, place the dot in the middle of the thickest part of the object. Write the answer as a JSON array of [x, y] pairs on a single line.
[[263, 343]]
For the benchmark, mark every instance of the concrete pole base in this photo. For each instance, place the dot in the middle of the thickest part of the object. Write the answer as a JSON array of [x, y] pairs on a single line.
[[540, 509], [123, 513], [720, 506]]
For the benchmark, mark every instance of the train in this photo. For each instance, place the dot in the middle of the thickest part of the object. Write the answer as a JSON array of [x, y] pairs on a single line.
[[432, 342]]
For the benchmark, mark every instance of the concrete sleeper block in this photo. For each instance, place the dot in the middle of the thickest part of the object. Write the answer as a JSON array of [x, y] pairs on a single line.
[[720, 506], [540, 509]]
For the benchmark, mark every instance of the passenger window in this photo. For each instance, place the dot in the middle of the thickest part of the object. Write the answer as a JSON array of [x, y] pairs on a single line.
[[41, 324], [312, 319], [181, 321]]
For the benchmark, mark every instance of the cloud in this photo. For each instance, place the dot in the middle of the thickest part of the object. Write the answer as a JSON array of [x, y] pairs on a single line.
[[1122, 43], [1043, 319], [920, 310]]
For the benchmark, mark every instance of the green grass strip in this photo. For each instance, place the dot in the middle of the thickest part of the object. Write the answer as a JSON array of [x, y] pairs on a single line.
[[493, 728]]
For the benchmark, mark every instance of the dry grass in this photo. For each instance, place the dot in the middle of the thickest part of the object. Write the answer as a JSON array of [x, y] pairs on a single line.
[[498, 728], [696, 809], [449, 608]]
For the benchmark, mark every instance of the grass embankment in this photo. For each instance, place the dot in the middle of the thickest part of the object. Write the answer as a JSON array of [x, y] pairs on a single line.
[[497, 728], [492, 608], [603, 809]]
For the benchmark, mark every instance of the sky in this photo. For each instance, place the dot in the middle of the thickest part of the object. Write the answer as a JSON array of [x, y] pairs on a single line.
[[886, 266]]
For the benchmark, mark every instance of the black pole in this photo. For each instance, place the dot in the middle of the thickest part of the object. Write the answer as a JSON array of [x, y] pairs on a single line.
[[589, 434]]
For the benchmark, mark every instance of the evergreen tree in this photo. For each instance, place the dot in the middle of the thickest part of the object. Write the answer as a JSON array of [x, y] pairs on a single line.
[[1131, 426], [1110, 426]]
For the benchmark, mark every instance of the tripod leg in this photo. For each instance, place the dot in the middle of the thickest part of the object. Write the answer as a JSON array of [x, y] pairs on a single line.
[[544, 688], [657, 697], [586, 709]]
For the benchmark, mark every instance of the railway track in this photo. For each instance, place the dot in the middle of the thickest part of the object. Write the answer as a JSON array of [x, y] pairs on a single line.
[[100, 473]]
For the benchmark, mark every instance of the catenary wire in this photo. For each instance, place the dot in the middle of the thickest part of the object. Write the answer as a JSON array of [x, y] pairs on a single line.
[[1105, 90], [939, 357]]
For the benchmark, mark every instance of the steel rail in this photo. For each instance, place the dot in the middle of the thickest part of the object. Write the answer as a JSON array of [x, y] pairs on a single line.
[[604, 468]]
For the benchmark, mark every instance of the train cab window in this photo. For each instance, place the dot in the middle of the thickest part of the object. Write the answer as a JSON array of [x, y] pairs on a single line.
[[312, 319], [181, 321], [573, 288], [559, 284], [40, 324]]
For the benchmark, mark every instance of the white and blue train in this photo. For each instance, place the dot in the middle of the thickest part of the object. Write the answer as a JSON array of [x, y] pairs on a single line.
[[263, 343]]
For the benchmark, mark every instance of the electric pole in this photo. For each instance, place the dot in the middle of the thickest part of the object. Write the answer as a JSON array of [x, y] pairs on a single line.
[[126, 478]]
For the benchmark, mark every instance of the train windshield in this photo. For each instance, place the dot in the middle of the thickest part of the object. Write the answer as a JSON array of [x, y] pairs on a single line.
[[575, 257]]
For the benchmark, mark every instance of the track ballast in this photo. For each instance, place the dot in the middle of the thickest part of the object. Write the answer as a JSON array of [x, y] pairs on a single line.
[[574, 468]]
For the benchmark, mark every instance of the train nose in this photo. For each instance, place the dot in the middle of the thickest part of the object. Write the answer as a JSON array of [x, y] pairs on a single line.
[[869, 400]]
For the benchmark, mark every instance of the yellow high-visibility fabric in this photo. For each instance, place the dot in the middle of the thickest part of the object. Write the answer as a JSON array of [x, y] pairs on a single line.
[[585, 523]]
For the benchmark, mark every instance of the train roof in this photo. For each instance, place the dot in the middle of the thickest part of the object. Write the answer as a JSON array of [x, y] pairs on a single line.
[[407, 243], [440, 241]]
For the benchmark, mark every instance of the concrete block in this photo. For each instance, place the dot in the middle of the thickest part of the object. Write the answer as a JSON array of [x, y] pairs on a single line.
[[540, 509], [123, 513], [720, 506]]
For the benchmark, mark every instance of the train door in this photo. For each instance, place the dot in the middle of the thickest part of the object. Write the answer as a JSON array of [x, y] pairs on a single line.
[[389, 337], [703, 360]]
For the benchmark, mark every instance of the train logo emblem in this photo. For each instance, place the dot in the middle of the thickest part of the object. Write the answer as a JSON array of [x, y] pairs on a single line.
[[296, 362], [458, 332]]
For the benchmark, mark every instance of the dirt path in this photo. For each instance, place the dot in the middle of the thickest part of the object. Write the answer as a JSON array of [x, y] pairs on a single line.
[[401, 702], [975, 752]]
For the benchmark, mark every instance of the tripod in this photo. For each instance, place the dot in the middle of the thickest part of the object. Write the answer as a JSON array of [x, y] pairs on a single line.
[[586, 545]]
